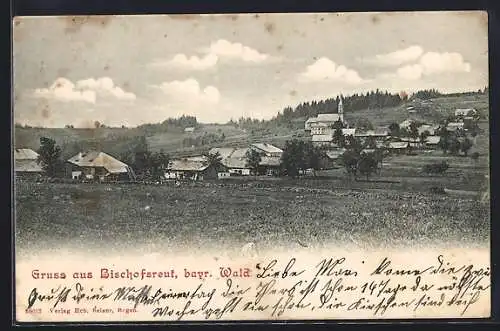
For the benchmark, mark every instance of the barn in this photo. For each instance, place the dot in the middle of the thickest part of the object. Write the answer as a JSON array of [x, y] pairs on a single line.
[[191, 169], [95, 165], [26, 163]]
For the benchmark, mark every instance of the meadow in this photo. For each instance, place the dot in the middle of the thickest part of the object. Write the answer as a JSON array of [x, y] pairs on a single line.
[[269, 213]]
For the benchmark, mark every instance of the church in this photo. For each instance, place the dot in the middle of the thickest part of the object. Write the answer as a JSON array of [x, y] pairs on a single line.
[[321, 126]]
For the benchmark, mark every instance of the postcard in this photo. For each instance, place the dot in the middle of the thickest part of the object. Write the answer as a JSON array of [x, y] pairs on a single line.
[[300, 166]]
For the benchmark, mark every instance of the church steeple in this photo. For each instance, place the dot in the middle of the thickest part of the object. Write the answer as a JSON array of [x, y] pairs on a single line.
[[340, 110]]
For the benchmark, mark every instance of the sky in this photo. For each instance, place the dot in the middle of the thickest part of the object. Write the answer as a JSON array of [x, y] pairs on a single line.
[[131, 70]]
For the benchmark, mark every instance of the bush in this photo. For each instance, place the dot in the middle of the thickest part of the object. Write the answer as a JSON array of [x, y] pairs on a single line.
[[474, 155], [436, 168]]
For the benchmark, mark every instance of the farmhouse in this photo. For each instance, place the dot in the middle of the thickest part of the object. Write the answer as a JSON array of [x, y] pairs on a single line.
[[265, 149], [465, 112], [429, 128], [194, 168], [406, 124], [26, 164], [95, 165], [189, 130], [454, 126], [432, 141], [399, 147]]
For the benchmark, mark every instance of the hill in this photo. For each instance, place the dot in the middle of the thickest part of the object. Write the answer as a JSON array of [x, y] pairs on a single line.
[[170, 137]]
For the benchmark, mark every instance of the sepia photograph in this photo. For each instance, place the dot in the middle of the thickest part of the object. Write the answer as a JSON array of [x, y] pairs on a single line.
[[250, 133]]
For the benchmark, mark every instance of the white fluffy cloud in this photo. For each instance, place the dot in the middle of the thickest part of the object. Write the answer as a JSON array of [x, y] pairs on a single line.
[[190, 91], [325, 69], [189, 62], [434, 63], [398, 57], [105, 85], [84, 90], [224, 48], [64, 90], [217, 50]]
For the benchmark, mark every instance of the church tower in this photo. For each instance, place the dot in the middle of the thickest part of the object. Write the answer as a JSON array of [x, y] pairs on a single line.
[[340, 110]]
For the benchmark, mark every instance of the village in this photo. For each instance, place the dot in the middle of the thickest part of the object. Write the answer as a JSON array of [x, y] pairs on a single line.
[[329, 134]]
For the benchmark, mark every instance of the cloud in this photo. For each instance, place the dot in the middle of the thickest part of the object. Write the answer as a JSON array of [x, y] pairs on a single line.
[[410, 72], [434, 63], [193, 62], [326, 70], [212, 54], [189, 91], [398, 57], [64, 90], [224, 48], [84, 90], [105, 85]]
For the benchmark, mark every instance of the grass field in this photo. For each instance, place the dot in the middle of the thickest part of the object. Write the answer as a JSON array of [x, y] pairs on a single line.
[[268, 213]]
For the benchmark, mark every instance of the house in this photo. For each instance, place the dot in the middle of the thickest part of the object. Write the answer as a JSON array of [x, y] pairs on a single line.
[[95, 165], [406, 124], [432, 141], [194, 168], [189, 130], [414, 142], [269, 165], [399, 147], [429, 128], [454, 126], [265, 149], [465, 112], [26, 163]]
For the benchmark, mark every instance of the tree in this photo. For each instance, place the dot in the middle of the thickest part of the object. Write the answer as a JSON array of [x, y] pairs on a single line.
[[253, 159], [453, 145], [214, 160], [97, 124], [395, 130], [350, 160], [413, 130], [158, 164], [337, 124], [312, 156], [444, 139], [141, 156], [367, 164], [338, 137], [364, 123], [354, 144], [465, 146], [50, 157], [293, 158], [423, 136], [371, 142]]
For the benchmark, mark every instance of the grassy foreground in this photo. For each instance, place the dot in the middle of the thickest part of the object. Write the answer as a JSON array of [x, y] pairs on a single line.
[[224, 214]]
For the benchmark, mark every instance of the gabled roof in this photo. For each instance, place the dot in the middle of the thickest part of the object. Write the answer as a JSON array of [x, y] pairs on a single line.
[[235, 163], [336, 153], [99, 159], [239, 153], [270, 161], [398, 145], [322, 138], [268, 148], [432, 140], [25, 154], [187, 165], [224, 152], [348, 132], [464, 112], [328, 117], [312, 120], [25, 165]]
